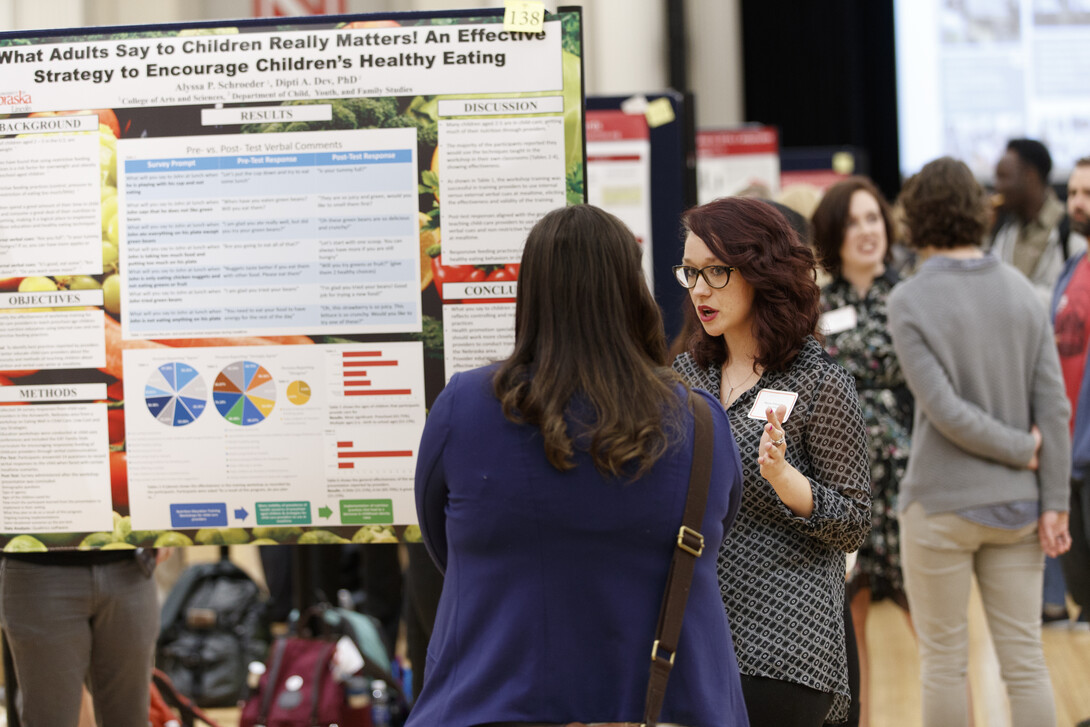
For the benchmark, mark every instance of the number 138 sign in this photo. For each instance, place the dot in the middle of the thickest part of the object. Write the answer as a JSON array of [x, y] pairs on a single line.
[[527, 16]]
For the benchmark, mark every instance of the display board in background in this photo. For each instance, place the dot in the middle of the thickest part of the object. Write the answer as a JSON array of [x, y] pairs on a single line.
[[619, 174], [972, 75], [672, 134], [232, 284], [820, 167], [737, 161]]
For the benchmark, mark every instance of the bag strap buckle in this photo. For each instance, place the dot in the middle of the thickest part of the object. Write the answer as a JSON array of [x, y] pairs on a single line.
[[655, 653], [690, 541]]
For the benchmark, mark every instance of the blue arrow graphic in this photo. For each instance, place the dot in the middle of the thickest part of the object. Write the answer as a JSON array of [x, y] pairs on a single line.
[[240, 513]]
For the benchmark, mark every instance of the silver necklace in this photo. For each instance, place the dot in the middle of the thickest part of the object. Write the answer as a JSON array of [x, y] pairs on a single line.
[[730, 392]]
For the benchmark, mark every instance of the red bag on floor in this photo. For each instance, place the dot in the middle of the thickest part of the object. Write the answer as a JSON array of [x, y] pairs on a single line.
[[159, 715], [171, 708], [298, 689]]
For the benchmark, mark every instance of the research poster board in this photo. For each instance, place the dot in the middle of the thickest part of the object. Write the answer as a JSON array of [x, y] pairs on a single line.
[[731, 161], [240, 260], [672, 139], [619, 173]]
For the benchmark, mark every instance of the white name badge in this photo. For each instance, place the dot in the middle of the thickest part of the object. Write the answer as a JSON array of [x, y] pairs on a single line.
[[836, 321], [772, 398]]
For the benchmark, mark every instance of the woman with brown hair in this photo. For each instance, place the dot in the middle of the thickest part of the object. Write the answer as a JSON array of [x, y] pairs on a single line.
[[853, 230], [550, 488], [805, 500], [986, 489]]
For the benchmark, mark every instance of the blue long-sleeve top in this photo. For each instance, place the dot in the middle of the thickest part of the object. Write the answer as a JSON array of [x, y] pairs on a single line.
[[554, 579]]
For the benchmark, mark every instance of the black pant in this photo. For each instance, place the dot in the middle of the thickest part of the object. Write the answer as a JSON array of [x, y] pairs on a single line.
[[423, 586], [853, 668], [776, 703], [1076, 562], [287, 567]]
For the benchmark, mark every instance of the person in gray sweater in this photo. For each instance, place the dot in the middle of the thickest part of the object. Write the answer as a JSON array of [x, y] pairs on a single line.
[[986, 489]]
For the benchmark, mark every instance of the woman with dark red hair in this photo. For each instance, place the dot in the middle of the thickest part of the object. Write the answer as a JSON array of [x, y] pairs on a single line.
[[796, 418]]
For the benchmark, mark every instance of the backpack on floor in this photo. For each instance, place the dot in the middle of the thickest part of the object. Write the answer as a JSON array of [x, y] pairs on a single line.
[[307, 682], [213, 625]]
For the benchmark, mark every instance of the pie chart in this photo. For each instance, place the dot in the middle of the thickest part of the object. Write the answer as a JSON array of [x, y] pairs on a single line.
[[298, 392], [176, 394], [244, 393]]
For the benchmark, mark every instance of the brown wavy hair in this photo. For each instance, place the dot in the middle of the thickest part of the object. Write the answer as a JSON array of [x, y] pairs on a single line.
[[589, 367], [830, 221], [944, 206], [755, 238]]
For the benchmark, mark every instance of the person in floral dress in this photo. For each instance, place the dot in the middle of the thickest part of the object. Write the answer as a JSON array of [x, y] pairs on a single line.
[[852, 230]]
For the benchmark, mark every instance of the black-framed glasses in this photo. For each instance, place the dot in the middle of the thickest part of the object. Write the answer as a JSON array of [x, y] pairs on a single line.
[[716, 276]]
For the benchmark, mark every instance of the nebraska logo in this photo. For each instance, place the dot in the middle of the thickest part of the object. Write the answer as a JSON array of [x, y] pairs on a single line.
[[19, 98]]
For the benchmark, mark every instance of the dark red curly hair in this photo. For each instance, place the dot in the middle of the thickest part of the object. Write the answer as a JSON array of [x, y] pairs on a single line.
[[755, 238]]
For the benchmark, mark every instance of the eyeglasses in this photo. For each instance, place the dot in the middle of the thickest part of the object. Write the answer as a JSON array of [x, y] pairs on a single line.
[[716, 276]]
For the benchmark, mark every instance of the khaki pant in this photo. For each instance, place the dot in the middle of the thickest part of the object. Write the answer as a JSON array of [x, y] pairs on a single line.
[[940, 553]]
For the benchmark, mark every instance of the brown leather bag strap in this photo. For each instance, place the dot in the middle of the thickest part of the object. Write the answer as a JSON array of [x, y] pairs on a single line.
[[690, 545]]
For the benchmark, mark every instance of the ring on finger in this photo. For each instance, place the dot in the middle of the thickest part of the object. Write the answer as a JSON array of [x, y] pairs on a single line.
[[781, 440]]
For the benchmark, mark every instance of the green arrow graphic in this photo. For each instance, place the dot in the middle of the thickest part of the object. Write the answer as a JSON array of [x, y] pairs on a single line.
[[324, 511]]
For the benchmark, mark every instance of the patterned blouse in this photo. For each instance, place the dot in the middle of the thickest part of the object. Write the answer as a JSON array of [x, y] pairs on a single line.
[[866, 352], [781, 575]]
